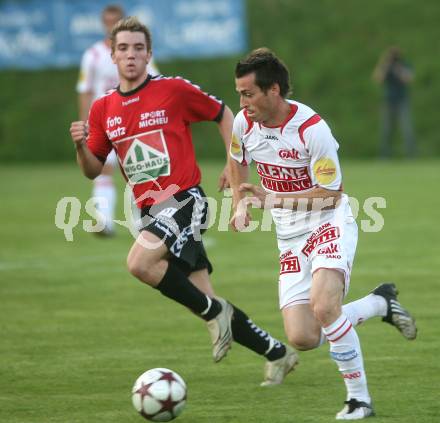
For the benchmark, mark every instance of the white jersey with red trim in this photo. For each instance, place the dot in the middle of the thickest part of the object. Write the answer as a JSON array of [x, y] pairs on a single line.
[[98, 73], [291, 158]]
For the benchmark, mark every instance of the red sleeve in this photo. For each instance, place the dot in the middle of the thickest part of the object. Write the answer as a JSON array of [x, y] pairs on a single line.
[[198, 105], [97, 140]]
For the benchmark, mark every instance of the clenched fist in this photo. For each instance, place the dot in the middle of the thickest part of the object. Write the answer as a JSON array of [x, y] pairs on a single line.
[[79, 131]]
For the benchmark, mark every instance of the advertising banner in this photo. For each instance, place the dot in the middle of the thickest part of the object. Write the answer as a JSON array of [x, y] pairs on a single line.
[[39, 34]]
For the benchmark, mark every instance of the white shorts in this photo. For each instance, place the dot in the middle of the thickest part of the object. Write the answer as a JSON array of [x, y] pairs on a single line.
[[112, 159], [332, 245]]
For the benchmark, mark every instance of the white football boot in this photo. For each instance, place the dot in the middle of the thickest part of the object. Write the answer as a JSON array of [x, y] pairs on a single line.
[[275, 371], [355, 410], [220, 330]]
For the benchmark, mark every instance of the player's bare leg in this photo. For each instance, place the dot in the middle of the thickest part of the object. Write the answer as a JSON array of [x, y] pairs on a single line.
[[146, 259], [304, 324], [301, 327], [200, 278]]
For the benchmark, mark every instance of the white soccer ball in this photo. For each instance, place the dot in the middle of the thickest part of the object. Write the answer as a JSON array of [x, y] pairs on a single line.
[[159, 395]]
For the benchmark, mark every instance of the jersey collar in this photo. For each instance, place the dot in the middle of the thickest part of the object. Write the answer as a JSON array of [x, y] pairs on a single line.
[[293, 110], [135, 90]]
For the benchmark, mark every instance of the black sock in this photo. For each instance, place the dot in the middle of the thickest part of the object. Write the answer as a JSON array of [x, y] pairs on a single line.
[[215, 309], [178, 287], [248, 334]]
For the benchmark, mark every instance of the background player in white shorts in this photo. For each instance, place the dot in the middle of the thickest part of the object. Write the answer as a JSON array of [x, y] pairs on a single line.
[[99, 74], [296, 158]]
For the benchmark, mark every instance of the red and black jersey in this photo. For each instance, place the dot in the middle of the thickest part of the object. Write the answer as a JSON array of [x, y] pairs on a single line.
[[149, 128]]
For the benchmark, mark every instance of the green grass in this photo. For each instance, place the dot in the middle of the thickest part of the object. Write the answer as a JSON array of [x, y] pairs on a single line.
[[76, 329]]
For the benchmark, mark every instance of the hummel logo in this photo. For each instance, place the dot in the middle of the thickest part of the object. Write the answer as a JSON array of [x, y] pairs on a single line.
[[271, 137]]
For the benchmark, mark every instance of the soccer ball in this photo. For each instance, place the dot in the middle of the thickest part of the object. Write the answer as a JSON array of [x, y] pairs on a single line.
[[159, 395]]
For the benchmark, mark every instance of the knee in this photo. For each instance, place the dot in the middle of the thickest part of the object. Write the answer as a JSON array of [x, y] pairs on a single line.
[[324, 312], [303, 341], [140, 269]]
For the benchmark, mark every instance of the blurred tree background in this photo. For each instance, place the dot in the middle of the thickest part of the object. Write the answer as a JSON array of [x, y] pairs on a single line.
[[330, 46]]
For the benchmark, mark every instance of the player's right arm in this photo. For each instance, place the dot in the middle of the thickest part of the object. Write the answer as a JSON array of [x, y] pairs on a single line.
[[238, 174], [91, 140], [90, 165]]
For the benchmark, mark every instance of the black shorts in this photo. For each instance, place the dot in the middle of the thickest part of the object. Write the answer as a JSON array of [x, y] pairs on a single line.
[[179, 223]]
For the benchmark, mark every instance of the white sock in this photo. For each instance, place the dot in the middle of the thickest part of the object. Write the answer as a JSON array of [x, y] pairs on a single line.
[[103, 188], [345, 350], [322, 339], [360, 310]]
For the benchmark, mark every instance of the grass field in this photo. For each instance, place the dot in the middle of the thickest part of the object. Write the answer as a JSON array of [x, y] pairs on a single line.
[[76, 329]]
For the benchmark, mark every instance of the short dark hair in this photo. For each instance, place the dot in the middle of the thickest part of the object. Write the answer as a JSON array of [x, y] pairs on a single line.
[[131, 24], [114, 9], [268, 70]]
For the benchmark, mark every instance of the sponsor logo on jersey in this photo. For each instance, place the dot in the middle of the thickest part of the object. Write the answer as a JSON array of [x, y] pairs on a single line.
[[156, 117], [284, 179], [113, 132], [289, 263], [289, 154], [271, 137], [325, 171], [113, 121], [325, 233], [144, 157], [235, 145]]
